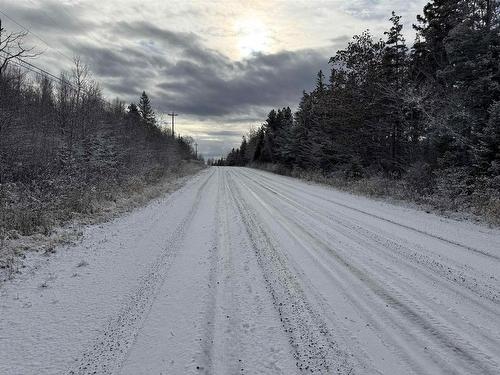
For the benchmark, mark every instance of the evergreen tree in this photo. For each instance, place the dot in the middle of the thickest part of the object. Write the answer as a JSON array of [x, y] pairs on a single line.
[[301, 144], [282, 139], [394, 68], [320, 83], [490, 143], [395, 53], [146, 110], [473, 50], [438, 19], [243, 152], [430, 114], [133, 112]]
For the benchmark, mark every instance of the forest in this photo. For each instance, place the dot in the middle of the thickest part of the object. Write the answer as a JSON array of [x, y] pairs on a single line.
[[418, 122], [64, 149]]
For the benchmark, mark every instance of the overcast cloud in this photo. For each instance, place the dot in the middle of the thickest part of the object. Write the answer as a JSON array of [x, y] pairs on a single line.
[[222, 65]]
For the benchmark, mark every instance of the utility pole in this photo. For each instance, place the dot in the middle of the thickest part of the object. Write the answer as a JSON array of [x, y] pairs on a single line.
[[173, 114], [196, 148]]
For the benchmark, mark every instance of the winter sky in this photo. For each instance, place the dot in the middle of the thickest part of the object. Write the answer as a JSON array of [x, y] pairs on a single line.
[[222, 65]]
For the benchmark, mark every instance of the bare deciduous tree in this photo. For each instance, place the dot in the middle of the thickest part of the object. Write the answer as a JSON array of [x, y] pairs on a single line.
[[80, 73], [12, 47]]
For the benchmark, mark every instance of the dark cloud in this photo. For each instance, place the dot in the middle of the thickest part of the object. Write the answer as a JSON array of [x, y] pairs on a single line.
[[262, 80], [144, 29], [176, 68], [180, 72], [188, 44], [50, 16], [106, 62], [124, 88]]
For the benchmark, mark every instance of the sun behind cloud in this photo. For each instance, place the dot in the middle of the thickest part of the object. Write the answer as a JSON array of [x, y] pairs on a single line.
[[252, 36]]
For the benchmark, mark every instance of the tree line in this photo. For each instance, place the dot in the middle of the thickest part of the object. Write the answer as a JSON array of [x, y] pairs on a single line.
[[63, 148], [429, 113]]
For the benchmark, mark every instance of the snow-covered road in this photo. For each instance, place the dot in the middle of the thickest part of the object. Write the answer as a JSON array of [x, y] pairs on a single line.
[[246, 272]]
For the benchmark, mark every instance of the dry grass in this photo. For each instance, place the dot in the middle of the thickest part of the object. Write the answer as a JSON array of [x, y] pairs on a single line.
[[29, 223]]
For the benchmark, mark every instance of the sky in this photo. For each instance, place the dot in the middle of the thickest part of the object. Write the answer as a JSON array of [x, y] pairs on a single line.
[[222, 65]]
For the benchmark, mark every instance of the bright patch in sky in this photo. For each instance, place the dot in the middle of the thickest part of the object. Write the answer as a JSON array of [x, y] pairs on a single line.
[[253, 36]]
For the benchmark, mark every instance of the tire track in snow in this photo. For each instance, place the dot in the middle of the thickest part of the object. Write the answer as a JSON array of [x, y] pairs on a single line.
[[314, 347], [462, 350], [109, 349], [244, 333], [481, 288], [441, 238], [227, 314], [206, 360]]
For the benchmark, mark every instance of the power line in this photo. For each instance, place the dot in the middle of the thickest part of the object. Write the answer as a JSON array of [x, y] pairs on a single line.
[[37, 70], [33, 67], [39, 73], [48, 15], [75, 19], [35, 35]]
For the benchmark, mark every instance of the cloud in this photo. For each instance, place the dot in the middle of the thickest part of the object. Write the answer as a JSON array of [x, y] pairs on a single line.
[[168, 41], [180, 73], [262, 80], [184, 55], [49, 16]]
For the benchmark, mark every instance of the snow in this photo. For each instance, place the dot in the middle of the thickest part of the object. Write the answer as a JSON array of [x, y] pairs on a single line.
[[243, 271]]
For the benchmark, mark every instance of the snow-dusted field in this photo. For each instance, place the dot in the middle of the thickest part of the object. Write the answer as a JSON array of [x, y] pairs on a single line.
[[246, 272]]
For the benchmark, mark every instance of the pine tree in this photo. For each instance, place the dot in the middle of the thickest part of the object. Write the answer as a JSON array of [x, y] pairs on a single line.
[[439, 18], [282, 139], [395, 53], [394, 68], [473, 50], [259, 154], [320, 83], [490, 143], [145, 109], [244, 151], [357, 131], [466, 35], [300, 135], [133, 111], [430, 114]]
